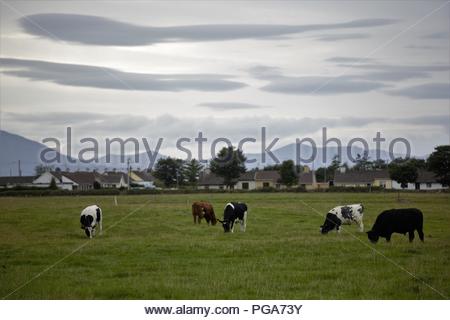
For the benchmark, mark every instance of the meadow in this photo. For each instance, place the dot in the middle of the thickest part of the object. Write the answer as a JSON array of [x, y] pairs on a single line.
[[150, 249]]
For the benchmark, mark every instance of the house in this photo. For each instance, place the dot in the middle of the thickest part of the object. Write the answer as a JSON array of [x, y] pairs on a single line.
[[246, 181], [307, 180], [62, 182], [209, 180], [142, 179], [374, 178], [426, 180], [83, 180], [114, 180], [259, 179], [16, 181]]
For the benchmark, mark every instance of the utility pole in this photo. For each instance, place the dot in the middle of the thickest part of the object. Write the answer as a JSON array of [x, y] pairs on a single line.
[[129, 172], [20, 170]]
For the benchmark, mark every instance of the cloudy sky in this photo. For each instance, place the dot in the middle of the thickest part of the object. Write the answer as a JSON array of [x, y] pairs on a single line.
[[168, 69]]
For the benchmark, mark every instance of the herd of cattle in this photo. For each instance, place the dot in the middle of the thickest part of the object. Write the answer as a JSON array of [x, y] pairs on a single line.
[[388, 222]]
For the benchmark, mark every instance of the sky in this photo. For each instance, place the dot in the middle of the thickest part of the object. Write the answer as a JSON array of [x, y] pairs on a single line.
[[169, 69]]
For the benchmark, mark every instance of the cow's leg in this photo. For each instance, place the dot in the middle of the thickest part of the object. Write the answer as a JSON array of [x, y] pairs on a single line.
[[361, 225], [232, 226], [244, 222], [100, 225], [338, 229], [421, 236], [411, 236], [388, 237]]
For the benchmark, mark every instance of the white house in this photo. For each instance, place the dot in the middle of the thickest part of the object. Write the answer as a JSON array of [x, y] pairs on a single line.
[[426, 180], [62, 181]]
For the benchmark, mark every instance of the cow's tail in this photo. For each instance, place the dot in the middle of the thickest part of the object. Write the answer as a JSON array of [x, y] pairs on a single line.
[[213, 217]]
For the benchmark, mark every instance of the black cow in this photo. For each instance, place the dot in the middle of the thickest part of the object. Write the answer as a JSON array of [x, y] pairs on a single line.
[[234, 211], [397, 221]]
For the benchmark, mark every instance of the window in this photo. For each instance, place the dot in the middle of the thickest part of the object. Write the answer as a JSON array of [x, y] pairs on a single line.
[[266, 184], [428, 185], [245, 185]]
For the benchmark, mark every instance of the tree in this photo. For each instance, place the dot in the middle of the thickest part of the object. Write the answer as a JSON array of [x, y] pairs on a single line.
[[362, 162], [403, 172], [97, 185], [228, 164], [53, 185], [192, 171], [321, 173], [288, 173], [40, 169], [379, 164], [169, 171], [439, 163]]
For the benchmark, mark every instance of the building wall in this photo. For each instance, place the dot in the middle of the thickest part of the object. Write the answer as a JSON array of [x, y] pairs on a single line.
[[386, 183], [251, 185], [260, 184], [423, 186], [211, 187]]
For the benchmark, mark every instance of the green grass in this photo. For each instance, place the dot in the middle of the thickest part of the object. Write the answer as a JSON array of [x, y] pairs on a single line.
[[158, 253]]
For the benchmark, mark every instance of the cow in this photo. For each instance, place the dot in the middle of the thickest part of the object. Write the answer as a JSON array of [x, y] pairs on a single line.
[[203, 209], [234, 212], [340, 215], [397, 221], [89, 219]]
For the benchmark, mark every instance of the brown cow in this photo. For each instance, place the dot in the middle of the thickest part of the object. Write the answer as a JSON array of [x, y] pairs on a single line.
[[203, 209]]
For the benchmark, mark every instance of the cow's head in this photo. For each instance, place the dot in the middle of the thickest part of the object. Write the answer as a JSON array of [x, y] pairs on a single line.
[[331, 222], [360, 208], [373, 236], [226, 225], [86, 224]]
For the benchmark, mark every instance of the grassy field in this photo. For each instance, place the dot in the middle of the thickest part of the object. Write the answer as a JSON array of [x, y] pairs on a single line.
[[156, 252]]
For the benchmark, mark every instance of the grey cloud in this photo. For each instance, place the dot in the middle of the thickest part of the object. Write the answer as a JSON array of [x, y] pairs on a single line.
[[321, 85], [229, 105], [423, 47], [349, 59], [424, 91], [340, 37], [95, 30], [265, 72], [385, 72], [171, 128], [107, 78], [367, 76], [444, 35]]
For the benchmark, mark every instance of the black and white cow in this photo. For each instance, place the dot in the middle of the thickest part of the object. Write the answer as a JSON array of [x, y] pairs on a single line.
[[234, 212], [340, 215], [397, 221], [89, 219]]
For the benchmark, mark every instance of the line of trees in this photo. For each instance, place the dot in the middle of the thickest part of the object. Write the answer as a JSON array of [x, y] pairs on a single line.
[[229, 163], [403, 171]]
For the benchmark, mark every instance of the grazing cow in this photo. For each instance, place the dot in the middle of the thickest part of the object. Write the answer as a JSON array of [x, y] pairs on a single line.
[[203, 209], [234, 211], [343, 215], [397, 221], [91, 217]]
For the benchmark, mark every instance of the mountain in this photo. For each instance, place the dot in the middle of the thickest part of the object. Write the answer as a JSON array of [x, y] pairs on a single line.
[[288, 152], [14, 148]]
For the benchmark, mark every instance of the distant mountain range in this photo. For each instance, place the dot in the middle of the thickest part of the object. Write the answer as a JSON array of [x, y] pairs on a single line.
[[14, 148]]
